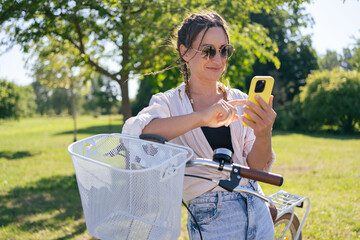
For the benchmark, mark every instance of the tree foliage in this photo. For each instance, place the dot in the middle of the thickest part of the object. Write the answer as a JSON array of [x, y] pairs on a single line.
[[52, 101], [330, 60], [102, 96], [9, 99], [295, 52], [355, 56], [42, 98], [118, 38], [251, 39], [16, 101], [27, 105], [60, 100], [105, 33], [58, 67], [331, 97], [349, 59]]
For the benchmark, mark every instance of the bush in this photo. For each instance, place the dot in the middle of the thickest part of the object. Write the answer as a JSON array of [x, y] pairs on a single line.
[[331, 98], [9, 100], [27, 102]]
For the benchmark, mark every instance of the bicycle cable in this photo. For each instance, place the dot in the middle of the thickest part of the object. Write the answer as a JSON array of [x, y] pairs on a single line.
[[196, 223], [195, 176]]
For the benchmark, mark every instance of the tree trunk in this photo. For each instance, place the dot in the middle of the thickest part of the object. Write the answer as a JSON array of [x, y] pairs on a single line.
[[73, 109], [124, 73], [126, 108]]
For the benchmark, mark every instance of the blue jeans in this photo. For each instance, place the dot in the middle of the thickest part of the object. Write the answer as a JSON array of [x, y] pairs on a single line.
[[229, 215]]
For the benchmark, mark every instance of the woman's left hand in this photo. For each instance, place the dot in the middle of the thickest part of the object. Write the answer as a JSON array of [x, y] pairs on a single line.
[[263, 117]]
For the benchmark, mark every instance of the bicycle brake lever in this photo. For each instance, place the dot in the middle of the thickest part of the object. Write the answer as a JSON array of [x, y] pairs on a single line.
[[235, 178]]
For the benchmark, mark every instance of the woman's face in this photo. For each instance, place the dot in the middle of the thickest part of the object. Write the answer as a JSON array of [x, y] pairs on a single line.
[[205, 68]]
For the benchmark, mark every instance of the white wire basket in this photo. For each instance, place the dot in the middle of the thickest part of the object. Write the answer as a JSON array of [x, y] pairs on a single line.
[[130, 188]]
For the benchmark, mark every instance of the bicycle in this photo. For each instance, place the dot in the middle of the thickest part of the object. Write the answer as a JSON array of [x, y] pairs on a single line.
[[132, 188], [282, 204]]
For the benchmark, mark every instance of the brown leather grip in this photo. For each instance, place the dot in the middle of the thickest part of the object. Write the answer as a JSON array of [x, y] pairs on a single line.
[[262, 176]]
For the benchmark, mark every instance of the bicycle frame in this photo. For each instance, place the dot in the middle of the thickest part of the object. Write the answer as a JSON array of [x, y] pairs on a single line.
[[283, 201]]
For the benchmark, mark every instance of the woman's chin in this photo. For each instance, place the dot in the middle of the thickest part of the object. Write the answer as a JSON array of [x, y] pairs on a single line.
[[214, 76]]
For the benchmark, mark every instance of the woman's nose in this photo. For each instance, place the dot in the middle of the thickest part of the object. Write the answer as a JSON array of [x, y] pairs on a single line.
[[217, 58]]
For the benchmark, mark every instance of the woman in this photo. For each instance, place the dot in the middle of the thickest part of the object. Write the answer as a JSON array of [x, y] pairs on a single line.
[[204, 114]]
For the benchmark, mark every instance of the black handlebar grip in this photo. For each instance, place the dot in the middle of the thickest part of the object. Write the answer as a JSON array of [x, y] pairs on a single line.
[[262, 176], [153, 137]]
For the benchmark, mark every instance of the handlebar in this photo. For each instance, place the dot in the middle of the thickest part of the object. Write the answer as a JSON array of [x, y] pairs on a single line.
[[246, 172]]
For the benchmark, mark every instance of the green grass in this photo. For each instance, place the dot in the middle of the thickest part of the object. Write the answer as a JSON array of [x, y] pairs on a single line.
[[326, 168], [39, 198]]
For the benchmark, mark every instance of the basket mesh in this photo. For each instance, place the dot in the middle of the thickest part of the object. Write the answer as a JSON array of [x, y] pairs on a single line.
[[129, 188]]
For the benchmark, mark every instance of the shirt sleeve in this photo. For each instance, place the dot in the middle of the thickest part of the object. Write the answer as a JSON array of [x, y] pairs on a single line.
[[158, 108]]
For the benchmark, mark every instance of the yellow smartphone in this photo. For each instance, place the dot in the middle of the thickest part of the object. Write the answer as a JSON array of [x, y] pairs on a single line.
[[262, 86]]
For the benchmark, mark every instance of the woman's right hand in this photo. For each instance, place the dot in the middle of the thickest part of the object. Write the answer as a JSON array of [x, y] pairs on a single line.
[[222, 113]]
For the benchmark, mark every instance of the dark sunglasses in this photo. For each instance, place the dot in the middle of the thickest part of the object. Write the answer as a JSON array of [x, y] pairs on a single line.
[[210, 51]]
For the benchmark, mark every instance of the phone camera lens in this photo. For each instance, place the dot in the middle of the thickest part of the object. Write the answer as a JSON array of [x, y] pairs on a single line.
[[260, 85]]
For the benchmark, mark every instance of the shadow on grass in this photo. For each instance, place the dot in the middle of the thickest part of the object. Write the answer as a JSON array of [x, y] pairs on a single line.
[[96, 130], [9, 155], [50, 203]]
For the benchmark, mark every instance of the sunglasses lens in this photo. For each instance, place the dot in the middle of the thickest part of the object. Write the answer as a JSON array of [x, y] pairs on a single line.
[[227, 51], [210, 51]]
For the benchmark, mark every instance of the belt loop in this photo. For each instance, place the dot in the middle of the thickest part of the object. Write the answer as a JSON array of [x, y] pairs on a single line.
[[219, 195]]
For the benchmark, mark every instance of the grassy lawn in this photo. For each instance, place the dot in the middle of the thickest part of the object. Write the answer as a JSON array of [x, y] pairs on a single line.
[[39, 198]]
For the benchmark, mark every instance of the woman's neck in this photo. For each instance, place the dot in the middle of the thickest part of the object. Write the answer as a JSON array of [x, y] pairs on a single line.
[[203, 95], [203, 88]]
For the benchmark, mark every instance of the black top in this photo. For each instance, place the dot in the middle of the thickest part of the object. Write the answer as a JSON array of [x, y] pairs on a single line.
[[218, 137]]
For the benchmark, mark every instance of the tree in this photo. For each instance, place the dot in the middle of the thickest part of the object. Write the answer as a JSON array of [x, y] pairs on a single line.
[[346, 59], [104, 33], [332, 97], [351, 57], [295, 52], [58, 67], [42, 97], [103, 95], [26, 105], [128, 35], [16, 101], [330, 60], [60, 102], [9, 99], [250, 39]]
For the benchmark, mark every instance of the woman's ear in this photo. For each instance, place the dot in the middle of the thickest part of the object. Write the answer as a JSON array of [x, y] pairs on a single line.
[[184, 52]]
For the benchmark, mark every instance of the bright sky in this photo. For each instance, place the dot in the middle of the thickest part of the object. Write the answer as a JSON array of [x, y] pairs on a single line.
[[335, 25]]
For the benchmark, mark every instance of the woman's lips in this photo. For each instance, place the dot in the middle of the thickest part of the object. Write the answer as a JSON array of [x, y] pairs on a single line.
[[214, 68]]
